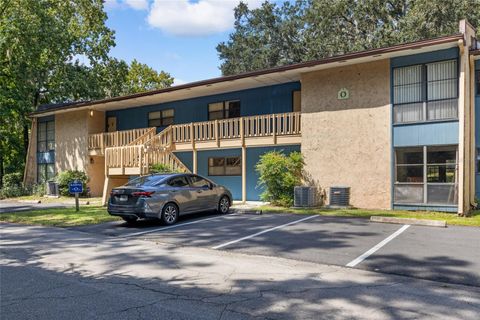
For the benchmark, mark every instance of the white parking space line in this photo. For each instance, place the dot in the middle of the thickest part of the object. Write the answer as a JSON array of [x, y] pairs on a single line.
[[262, 232], [364, 256], [174, 226]]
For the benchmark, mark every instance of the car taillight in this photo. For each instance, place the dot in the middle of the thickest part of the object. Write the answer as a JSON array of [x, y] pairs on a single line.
[[143, 193]]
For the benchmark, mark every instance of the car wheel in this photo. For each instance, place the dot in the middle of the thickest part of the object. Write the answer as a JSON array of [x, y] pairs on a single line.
[[170, 213], [129, 220], [223, 205]]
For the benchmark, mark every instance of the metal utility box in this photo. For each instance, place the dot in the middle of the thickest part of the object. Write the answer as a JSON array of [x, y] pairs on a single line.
[[305, 196]]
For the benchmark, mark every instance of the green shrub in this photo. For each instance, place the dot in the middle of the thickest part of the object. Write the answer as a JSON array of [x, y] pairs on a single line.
[[279, 174], [161, 168], [38, 190], [12, 185], [66, 177]]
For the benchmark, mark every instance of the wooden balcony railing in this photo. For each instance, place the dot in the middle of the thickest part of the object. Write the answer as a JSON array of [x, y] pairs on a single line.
[[101, 141], [282, 124], [147, 150]]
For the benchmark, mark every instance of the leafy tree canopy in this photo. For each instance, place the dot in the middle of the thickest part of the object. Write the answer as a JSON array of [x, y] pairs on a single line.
[[41, 43], [291, 32]]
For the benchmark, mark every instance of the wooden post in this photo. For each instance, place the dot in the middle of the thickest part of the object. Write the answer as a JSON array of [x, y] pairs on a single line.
[[242, 132], [140, 160], [76, 202], [121, 161], [217, 133], [192, 135], [195, 161], [244, 174], [274, 129]]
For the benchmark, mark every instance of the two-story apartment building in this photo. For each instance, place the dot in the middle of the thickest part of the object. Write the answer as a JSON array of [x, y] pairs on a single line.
[[395, 124]]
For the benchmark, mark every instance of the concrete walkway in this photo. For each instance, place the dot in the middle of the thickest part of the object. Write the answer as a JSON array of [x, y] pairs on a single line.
[[50, 273]]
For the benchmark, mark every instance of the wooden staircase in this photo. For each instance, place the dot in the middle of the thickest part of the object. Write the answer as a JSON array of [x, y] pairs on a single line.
[[148, 148], [138, 156]]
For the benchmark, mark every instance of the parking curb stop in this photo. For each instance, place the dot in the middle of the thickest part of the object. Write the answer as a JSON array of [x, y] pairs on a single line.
[[245, 211], [411, 221]]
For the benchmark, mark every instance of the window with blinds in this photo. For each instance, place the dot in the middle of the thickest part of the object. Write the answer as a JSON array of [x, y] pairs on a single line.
[[425, 92]]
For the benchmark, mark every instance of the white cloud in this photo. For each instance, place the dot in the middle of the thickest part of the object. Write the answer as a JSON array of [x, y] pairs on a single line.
[[137, 4], [177, 82], [186, 18], [125, 4]]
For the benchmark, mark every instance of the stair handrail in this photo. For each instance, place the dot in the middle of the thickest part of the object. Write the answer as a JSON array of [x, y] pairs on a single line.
[[151, 132]]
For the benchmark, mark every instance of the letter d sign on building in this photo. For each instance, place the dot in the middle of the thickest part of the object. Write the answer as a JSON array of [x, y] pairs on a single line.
[[343, 94]]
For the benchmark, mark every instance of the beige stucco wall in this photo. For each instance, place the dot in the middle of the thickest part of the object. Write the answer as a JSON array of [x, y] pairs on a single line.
[[30, 174], [348, 142], [96, 121], [71, 134], [96, 173], [71, 139]]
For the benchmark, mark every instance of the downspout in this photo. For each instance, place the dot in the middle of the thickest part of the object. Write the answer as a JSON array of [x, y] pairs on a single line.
[[461, 131], [473, 111]]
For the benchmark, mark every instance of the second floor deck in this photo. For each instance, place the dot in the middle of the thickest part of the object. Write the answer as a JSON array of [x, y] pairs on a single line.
[[262, 130]]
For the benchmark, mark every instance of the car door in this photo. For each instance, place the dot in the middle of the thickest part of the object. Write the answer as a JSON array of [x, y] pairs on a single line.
[[182, 192], [206, 195]]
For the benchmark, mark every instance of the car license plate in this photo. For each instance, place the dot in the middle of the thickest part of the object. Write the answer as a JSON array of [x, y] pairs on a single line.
[[123, 198]]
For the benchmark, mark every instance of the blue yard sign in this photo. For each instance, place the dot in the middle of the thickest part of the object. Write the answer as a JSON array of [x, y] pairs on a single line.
[[75, 187]]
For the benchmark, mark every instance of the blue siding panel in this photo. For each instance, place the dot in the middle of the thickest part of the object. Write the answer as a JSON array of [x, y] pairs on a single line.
[[435, 133], [234, 183], [253, 156], [426, 57], [263, 100], [186, 157]]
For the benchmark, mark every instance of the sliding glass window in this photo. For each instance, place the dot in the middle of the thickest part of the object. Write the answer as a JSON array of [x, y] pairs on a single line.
[[161, 118], [224, 110], [425, 92], [46, 136], [426, 175]]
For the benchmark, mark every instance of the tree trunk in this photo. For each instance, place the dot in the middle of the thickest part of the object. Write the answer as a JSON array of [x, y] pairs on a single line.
[[25, 139]]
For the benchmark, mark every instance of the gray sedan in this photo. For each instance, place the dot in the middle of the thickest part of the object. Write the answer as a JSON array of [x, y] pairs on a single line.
[[166, 197]]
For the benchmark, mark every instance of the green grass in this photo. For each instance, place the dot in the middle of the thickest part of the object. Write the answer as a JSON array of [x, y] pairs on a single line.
[[451, 218], [95, 201], [61, 217]]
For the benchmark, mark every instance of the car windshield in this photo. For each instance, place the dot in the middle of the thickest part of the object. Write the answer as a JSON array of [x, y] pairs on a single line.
[[147, 181]]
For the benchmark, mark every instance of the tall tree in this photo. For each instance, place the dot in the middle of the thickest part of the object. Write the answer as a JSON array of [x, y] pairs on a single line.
[[141, 78], [278, 34], [38, 40], [41, 43]]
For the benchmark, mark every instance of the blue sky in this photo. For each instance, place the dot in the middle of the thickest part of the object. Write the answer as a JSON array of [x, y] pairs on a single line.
[[177, 36]]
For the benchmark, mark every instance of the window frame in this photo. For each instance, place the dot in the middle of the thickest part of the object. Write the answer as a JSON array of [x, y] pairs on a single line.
[[161, 118], [46, 132], [224, 174], [476, 82], [224, 109], [44, 167], [426, 184], [299, 92], [424, 93]]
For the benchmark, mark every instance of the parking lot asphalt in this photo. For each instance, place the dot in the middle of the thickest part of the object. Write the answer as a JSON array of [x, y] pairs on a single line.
[[450, 255]]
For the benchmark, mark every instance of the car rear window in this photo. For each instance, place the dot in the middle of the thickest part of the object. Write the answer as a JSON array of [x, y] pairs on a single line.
[[146, 181]]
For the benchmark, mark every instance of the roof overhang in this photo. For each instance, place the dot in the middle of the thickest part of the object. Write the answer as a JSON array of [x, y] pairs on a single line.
[[256, 79]]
